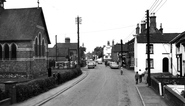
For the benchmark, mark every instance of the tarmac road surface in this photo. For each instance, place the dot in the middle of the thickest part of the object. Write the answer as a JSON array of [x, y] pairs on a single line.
[[102, 87]]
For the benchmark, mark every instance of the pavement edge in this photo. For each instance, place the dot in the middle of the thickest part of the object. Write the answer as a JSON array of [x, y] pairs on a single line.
[[61, 91], [140, 96]]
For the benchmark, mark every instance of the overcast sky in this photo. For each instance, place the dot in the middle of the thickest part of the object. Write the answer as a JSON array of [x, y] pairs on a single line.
[[104, 20]]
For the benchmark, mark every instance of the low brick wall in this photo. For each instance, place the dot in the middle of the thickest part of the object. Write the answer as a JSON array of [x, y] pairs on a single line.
[[173, 98], [156, 85]]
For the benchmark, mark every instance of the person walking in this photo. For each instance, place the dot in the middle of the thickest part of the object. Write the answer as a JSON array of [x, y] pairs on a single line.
[[136, 77], [121, 70], [140, 75], [146, 75]]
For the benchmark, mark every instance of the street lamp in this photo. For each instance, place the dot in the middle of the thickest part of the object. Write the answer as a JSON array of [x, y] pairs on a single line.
[[78, 22]]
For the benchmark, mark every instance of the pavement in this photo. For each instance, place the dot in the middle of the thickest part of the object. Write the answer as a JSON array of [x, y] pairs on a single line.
[[149, 97], [51, 94]]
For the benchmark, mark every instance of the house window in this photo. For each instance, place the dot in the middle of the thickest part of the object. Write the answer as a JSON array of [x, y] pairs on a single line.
[[13, 52], [6, 49], [151, 49], [1, 52], [151, 63], [36, 47], [43, 47]]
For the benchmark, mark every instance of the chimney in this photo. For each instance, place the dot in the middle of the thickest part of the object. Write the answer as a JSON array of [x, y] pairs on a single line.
[[137, 29], [153, 20], [67, 40], [143, 26], [161, 29], [112, 42]]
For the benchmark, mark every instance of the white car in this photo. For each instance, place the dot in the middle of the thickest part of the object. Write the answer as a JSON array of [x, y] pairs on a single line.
[[114, 65]]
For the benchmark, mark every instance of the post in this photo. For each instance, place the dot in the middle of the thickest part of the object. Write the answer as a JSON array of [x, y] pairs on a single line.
[[56, 50], [78, 20], [10, 87], [148, 49], [121, 53]]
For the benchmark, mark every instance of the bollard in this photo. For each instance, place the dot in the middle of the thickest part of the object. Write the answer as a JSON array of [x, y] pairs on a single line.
[[10, 87]]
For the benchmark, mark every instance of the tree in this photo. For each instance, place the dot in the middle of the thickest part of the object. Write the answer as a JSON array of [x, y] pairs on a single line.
[[98, 51]]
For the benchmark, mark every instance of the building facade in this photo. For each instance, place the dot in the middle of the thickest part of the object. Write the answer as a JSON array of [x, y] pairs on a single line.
[[178, 45], [24, 41], [160, 48]]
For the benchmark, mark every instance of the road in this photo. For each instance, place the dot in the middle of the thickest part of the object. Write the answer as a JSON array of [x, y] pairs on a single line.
[[102, 87]]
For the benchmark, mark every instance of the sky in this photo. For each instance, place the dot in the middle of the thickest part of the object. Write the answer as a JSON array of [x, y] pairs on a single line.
[[104, 20]]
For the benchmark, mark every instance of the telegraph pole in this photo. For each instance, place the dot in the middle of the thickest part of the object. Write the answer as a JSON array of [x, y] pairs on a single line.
[[56, 46], [148, 49], [121, 53], [78, 21]]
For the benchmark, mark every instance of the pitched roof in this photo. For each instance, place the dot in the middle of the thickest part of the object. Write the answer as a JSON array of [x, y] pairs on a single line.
[[20, 24], [66, 45], [62, 49], [179, 37], [157, 38], [117, 48]]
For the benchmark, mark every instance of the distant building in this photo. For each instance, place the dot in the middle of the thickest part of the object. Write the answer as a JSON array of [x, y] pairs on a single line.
[[116, 53], [107, 52], [24, 41], [61, 51]]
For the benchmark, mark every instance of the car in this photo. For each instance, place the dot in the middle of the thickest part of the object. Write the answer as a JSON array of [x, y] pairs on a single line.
[[90, 65], [114, 65]]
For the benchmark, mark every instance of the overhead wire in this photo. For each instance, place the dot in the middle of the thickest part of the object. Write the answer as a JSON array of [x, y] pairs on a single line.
[[160, 6]]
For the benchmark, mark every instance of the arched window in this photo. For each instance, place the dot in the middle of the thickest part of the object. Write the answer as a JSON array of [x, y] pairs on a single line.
[[13, 52], [36, 47], [1, 52], [43, 47], [6, 50], [40, 46]]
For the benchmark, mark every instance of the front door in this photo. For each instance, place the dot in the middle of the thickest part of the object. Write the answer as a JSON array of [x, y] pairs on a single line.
[[165, 65]]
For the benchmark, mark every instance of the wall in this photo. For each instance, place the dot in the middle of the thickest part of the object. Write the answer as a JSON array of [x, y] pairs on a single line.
[[160, 51]]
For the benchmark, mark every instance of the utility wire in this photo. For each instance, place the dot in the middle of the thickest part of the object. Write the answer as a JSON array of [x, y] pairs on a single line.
[[157, 6], [154, 4], [160, 7]]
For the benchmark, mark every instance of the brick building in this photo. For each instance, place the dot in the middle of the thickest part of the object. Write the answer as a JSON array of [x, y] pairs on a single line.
[[24, 41]]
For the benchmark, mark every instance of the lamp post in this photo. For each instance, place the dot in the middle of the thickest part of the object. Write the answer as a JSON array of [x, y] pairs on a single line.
[[78, 22]]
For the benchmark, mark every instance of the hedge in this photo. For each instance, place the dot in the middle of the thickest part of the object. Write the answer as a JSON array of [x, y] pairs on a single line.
[[3, 95], [35, 87]]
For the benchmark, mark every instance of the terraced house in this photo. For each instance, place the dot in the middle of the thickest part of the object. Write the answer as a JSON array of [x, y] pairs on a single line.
[[161, 53], [24, 41]]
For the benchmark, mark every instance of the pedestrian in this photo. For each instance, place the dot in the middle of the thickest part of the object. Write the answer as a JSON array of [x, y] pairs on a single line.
[[146, 75], [136, 77], [49, 72], [121, 70], [140, 75]]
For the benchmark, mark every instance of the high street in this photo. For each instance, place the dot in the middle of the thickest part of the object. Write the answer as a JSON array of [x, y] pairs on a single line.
[[102, 87]]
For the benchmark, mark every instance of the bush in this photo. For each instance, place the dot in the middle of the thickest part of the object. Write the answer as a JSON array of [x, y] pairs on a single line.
[[3, 95], [67, 75], [33, 88]]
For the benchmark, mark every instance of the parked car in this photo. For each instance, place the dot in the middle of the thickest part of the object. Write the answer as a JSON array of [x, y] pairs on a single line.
[[90, 65], [114, 65]]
